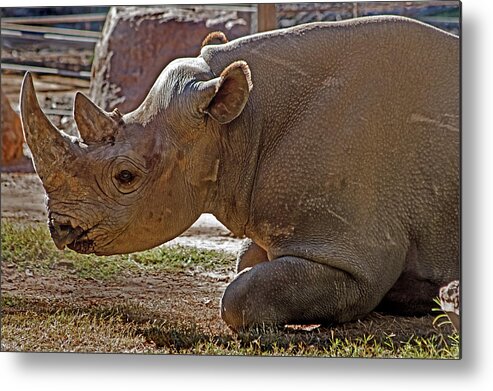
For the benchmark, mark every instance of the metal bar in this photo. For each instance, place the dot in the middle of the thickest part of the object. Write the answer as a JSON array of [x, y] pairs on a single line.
[[57, 19], [51, 71], [70, 38], [225, 7], [50, 30], [58, 37]]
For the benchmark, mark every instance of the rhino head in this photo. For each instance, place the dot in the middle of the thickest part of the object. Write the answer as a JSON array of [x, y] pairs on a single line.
[[131, 182]]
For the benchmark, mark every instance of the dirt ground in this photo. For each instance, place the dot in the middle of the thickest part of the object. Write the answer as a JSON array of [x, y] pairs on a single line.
[[178, 297], [184, 297]]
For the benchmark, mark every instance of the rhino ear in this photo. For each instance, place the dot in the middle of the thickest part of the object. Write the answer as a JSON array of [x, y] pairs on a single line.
[[226, 96], [94, 124]]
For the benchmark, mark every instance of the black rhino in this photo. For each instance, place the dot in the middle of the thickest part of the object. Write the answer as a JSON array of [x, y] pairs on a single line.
[[334, 147]]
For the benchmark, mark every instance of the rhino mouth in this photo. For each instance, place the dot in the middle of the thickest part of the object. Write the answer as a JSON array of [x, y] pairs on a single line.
[[65, 235], [82, 244]]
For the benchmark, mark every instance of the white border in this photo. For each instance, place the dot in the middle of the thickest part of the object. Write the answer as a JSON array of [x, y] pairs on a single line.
[[23, 371]]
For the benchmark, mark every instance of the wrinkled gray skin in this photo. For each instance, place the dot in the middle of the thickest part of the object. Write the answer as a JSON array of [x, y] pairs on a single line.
[[338, 156]]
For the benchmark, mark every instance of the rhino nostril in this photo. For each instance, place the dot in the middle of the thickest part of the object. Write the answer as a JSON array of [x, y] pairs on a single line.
[[60, 229], [64, 228]]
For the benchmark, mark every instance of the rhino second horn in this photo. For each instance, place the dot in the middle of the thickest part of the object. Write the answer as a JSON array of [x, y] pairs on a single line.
[[49, 147], [94, 124]]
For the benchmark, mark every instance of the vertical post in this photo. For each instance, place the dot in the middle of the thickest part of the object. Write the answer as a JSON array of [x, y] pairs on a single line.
[[266, 17], [355, 10]]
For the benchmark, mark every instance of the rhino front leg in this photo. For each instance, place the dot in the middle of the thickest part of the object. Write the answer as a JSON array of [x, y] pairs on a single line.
[[250, 254], [292, 290]]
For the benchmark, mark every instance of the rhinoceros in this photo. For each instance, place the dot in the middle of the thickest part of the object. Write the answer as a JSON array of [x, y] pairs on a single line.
[[332, 147]]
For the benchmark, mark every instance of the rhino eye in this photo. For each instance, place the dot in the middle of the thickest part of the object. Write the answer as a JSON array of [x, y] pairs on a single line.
[[125, 176]]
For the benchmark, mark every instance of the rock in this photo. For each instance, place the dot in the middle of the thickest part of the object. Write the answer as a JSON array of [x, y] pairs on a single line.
[[12, 137], [137, 43]]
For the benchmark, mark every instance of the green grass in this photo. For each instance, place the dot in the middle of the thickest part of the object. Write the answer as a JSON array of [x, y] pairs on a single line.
[[43, 326], [64, 324], [63, 331], [31, 247]]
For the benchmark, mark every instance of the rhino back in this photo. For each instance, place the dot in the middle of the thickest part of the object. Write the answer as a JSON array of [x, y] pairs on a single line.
[[358, 126]]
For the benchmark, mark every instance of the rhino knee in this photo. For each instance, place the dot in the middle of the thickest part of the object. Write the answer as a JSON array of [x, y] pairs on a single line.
[[232, 305], [238, 307]]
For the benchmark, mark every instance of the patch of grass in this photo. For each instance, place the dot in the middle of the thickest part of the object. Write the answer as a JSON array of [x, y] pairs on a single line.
[[22, 244], [31, 247], [133, 328], [357, 348], [179, 257], [15, 303], [63, 331], [49, 324]]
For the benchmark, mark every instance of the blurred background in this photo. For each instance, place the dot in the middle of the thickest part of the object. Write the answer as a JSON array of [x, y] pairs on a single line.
[[114, 54]]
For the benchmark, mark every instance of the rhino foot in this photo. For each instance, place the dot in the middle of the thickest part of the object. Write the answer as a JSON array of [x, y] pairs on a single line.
[[292, 290]]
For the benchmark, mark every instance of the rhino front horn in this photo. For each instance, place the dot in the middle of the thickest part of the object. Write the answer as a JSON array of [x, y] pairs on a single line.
[[49, 147]]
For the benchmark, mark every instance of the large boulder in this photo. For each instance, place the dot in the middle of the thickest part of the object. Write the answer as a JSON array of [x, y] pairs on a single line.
[[12, 138], [137, 43]]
